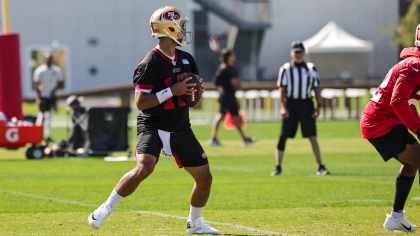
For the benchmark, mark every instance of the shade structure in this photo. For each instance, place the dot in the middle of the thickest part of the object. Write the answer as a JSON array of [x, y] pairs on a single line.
[[339, 55], [332, 38]]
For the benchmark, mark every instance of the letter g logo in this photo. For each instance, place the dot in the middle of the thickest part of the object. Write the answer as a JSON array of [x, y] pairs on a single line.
[[12, 135]]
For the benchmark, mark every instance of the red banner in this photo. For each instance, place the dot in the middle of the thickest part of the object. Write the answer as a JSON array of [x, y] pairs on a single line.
[[10, 77]]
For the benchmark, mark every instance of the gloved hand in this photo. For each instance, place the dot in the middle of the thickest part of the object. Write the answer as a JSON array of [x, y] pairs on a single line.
[[418, 133]]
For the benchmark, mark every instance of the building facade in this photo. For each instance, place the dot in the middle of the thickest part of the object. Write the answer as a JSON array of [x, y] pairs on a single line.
[[99, 42]]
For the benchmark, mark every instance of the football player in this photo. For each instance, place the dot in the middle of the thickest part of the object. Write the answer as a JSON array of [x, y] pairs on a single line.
[[164, 123], [385, 121]]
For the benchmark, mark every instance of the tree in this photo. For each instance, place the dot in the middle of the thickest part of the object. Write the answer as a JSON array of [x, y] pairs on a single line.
[[405, 31]]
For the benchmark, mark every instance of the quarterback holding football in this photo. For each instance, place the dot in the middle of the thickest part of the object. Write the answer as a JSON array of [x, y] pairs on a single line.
[[162, 89]]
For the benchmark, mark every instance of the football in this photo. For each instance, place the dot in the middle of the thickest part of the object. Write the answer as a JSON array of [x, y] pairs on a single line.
[[192, 100], [236, 83]]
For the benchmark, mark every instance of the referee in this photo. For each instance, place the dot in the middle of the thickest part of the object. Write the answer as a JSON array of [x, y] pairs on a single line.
[[296, 81]]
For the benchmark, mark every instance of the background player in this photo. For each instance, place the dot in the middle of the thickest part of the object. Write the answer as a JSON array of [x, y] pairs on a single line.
[[296, 81], [47, 79], [164, 121], [385, 121], [228, 81]]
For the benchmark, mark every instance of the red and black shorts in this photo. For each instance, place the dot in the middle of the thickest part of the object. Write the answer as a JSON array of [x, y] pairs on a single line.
[[393, 143], [184, 145]]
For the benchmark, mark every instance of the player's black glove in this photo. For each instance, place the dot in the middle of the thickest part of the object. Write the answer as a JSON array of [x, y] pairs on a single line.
[[418, 133]]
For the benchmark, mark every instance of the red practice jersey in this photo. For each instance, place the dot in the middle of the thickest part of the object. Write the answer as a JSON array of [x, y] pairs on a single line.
[[394, 101]]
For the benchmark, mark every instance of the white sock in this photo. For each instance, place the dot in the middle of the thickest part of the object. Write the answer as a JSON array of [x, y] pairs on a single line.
[[114, 198], [47, 123], [195, 212], [396, 214]]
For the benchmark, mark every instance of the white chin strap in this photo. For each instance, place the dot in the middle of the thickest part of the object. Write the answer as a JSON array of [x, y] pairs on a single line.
[[181, 44]]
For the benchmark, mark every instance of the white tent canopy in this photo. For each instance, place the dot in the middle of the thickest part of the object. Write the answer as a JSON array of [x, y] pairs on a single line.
[[331, 39]]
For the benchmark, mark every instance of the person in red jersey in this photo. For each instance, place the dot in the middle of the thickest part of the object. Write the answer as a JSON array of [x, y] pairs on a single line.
[[164, 124], [385, 122]]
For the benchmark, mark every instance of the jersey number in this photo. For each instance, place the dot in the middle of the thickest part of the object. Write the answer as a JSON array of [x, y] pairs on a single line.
[[384, 83], [169, 104]]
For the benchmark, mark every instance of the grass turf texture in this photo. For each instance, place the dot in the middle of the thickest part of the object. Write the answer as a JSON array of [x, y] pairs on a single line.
[[55, 196]]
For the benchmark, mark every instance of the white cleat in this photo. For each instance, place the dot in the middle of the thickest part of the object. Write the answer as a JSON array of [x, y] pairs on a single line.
[[199, 227], [399, 224], [96, 219]]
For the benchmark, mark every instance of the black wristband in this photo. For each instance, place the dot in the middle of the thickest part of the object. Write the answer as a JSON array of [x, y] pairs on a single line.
[[319, 104]]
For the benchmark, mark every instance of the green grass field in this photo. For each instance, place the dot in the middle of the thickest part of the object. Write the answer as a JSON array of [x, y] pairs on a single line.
[[55, 196]]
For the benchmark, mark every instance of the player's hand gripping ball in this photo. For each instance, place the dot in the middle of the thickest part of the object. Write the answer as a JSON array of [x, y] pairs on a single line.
[[192, 100], [236, 83]]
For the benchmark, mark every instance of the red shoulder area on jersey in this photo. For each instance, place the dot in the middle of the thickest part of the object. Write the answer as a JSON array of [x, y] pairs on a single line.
[[143, 86], [166, 57], [411, 63], [410, 52]]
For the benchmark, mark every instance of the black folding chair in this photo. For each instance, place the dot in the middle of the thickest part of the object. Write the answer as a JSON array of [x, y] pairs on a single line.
[[105, 130]]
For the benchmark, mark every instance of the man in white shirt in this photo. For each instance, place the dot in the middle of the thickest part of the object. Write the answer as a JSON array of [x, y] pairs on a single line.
[[47, 79]]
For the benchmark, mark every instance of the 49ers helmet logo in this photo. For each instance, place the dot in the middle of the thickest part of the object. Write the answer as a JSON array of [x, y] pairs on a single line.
[[171, 15]]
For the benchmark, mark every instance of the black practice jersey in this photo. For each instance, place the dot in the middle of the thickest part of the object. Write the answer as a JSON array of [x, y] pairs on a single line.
[[223, 80], [155, 72]]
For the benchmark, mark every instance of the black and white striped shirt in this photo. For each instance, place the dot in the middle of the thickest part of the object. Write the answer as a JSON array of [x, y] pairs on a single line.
[[299, 80]]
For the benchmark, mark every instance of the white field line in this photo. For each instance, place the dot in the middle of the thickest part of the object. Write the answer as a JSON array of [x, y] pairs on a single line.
[[232, 169], [144, 212], [212, 222], [357, 200], [358, 180], [352, 180]]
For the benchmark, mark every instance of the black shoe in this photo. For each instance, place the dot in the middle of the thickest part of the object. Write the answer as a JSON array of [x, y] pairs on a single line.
[[322, 170], [276, 171], [213, 142], [249, 141], [48, 139]]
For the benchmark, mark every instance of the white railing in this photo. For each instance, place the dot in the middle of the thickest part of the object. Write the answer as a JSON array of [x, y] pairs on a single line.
[[263, 105]]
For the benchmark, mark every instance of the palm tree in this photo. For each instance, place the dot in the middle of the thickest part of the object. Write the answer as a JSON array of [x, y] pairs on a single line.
[[405, 31]]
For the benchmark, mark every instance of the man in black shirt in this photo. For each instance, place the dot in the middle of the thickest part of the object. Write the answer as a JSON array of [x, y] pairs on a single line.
[[296, 81], [227, 81], [164, 121]]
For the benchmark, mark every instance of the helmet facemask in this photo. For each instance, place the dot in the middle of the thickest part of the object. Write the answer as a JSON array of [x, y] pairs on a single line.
[[417, 39], [184, 37]]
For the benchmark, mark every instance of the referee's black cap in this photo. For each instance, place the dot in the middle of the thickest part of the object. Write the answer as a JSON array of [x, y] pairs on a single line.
[[297, 46]]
